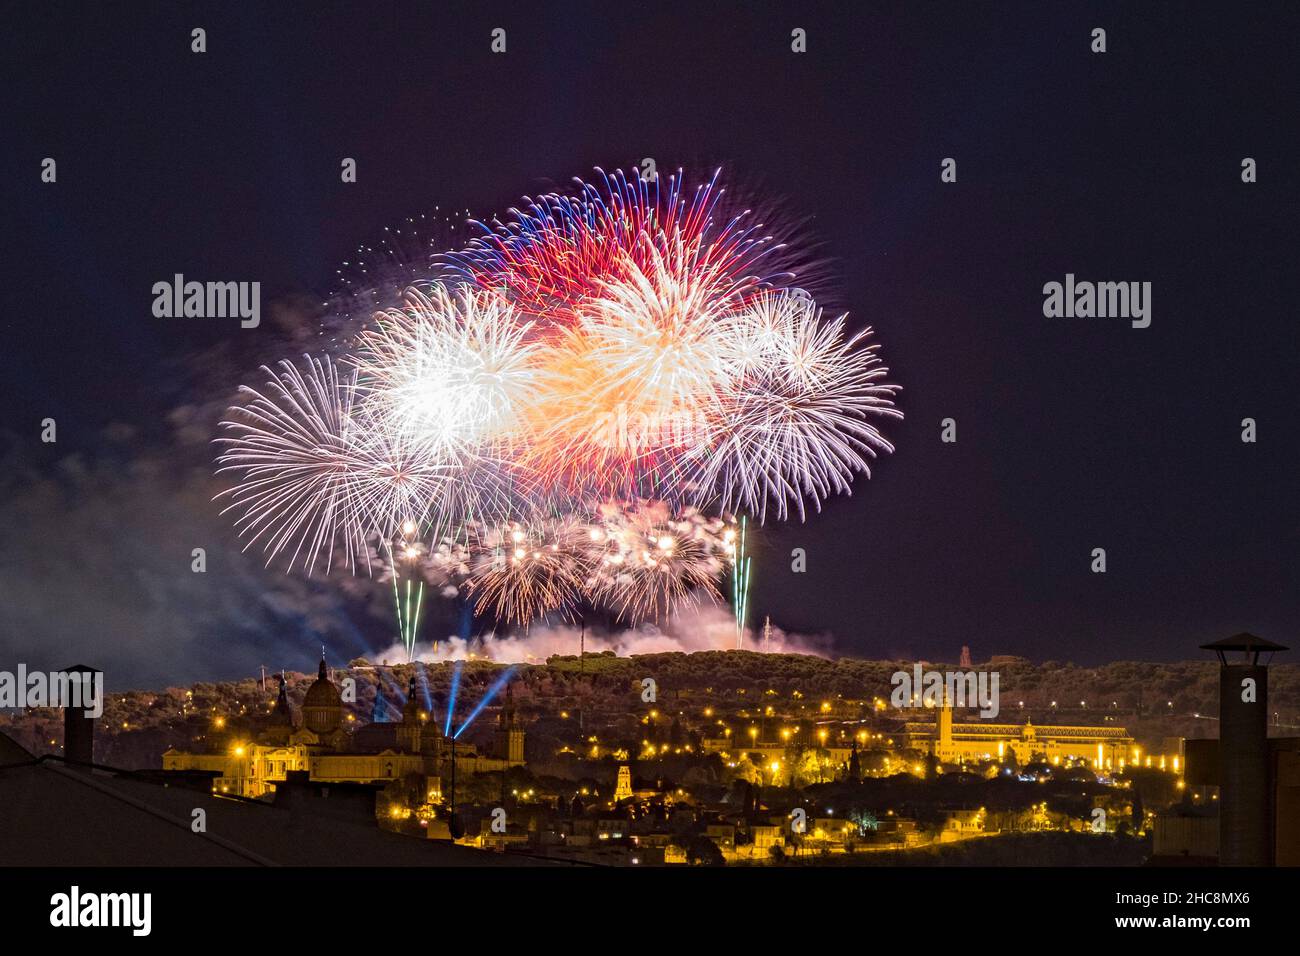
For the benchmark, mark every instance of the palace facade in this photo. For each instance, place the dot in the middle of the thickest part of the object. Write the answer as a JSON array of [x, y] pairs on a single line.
[[1103, 748], [379, 752]]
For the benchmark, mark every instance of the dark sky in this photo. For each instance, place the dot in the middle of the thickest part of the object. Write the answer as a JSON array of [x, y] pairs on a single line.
[[1072, 433]]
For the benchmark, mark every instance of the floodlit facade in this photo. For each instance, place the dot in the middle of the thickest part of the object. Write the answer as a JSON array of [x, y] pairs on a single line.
[[1100, 747], [375, 753]]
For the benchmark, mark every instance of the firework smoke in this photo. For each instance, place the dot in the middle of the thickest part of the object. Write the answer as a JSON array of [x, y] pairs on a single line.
[[702, 628]]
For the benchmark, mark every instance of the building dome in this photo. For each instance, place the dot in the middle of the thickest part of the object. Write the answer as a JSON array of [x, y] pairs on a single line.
[[322, 708]]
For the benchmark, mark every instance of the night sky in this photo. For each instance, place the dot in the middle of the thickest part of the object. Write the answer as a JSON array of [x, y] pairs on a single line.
[[1072, 433]]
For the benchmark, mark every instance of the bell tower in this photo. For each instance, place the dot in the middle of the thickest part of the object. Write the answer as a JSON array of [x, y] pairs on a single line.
[[623, 788], [943, 747], [510, 736], [409, 730]]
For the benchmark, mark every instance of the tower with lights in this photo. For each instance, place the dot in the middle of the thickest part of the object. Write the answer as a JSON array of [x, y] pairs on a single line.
[[623, 789], [510, 736]]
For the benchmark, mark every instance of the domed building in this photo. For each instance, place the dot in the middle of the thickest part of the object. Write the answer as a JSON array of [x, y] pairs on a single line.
[[322, 708], [332, 748]]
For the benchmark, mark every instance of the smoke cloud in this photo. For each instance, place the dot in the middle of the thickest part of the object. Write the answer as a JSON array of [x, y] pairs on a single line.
[[705, 627]]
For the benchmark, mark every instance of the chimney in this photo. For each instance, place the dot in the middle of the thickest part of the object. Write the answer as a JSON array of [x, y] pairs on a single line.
[[1245, 794], [78, 729]]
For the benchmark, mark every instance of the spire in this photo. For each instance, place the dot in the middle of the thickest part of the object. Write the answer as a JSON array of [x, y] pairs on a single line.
[[507, 718], [324, 675], [411, 710], [281, 715]]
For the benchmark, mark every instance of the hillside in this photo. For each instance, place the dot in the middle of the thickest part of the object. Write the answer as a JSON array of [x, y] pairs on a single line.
[[1151, 700]]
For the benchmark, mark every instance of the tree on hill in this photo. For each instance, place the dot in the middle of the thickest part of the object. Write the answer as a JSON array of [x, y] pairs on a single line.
[[702, 851]]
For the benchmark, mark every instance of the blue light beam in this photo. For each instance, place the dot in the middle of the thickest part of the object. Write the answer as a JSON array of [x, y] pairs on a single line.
[[451, 700], [492, 691]]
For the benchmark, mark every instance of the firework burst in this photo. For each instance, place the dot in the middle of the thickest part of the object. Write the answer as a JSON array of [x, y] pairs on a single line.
[[315, 477], [546, 417], [794, 421], [644, 562], [552, 254], [524, 571]]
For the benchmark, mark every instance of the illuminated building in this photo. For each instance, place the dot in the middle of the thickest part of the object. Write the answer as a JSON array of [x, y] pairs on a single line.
[[375, 753], [623, 790], [1100, 747], [510, 736]]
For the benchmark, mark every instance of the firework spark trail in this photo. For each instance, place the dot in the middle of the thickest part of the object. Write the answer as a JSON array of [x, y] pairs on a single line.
[[631, 384], [449, 371], [527, 570], [644, 562], [794, 424], [633, 342], [449, 374], [408, 616], [316, 475], [549, 256], [740, 567], [287, 445]]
